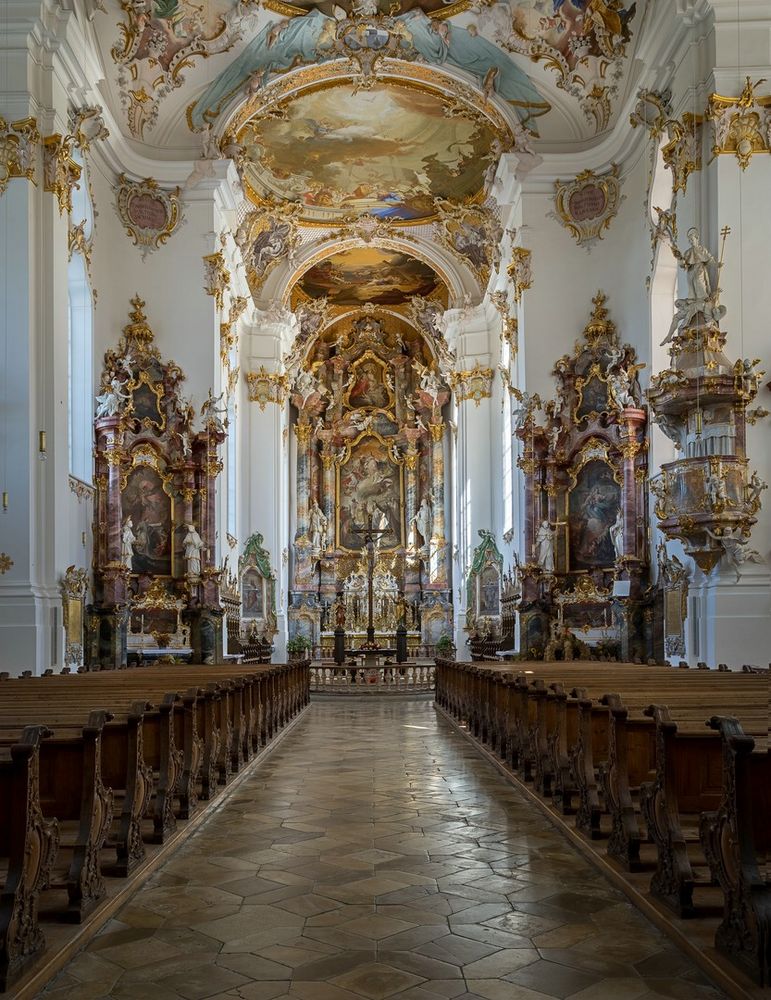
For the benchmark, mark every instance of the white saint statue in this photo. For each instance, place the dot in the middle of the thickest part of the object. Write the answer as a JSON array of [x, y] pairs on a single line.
[[714, 486], [318, 524], [544, 547], [193, 546], [127, 540], [210, 411], [702, 297], [616, 532], [422, 520]]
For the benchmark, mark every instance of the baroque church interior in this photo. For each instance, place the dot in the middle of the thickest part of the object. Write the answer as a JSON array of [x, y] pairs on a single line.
[[385, 581]]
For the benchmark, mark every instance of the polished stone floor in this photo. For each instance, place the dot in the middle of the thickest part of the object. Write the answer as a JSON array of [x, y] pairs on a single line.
[[374, 855]]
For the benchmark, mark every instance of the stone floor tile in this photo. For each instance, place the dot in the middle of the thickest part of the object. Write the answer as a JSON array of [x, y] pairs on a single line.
[[552, 979], [376, 981], [390, 867]]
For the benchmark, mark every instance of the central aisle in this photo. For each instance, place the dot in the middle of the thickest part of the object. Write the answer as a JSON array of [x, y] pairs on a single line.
[[375, 854]]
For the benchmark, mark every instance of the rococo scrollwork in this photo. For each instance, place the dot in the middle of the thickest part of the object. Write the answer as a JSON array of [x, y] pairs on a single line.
[[150, 214], [588, 204]]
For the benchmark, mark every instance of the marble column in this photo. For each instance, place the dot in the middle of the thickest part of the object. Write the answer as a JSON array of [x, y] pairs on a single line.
[[303, 434], [438, 569]]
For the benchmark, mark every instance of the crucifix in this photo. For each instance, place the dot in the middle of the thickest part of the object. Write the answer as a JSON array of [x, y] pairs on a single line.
[[370, 536]]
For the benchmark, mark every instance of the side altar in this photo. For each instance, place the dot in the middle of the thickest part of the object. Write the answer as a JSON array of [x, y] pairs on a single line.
[[156, 587], [370, 440], [584, 581]]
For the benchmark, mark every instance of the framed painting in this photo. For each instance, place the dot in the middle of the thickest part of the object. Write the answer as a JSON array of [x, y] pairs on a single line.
[[252, 594], [489, 592], [370, 384], [592, 507], [146, 502], [369, 482], [146, 402]]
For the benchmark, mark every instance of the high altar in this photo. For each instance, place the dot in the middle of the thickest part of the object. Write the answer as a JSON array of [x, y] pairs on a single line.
[[370, 440]]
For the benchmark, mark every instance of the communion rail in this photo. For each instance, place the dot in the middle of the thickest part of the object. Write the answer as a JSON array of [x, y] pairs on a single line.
[[397, 679]]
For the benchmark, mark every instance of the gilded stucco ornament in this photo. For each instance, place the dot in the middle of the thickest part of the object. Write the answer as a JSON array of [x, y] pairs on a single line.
[[586, 52], [216, 277], [473, 233], [520, 271], [87, 126], [18, 150], [267, 237], [157, 42], [586, 205], [149, 213], [741, 125], [475, 383], [6, 563], [682, 153], [60, 171], [267, 387]]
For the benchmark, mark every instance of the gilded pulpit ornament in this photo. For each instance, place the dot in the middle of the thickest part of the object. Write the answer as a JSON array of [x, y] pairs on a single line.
[[585, 206], [704, 496], [148, 213], [742, 125], [18, 150]]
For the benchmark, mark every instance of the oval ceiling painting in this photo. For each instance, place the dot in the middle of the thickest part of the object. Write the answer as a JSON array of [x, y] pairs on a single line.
[[369, 274], [388, 151]]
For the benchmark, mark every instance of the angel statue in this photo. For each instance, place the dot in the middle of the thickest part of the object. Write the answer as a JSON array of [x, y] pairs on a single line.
[[735, 548], [109, 403], [210, 411], [527, 403]]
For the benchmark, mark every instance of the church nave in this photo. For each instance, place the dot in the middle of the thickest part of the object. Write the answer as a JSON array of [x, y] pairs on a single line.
[[375, 854]]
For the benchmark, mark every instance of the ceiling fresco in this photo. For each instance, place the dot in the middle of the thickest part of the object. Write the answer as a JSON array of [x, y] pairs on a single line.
[[522, 51], [388, 151], [369, 274]]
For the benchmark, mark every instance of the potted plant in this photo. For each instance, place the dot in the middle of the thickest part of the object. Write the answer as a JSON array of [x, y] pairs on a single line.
[[298, 647], [445, 647]]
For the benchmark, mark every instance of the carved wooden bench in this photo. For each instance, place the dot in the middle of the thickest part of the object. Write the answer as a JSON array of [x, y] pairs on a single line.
[[737, 844]]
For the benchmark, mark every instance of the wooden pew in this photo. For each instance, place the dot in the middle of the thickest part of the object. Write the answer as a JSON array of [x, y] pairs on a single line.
[[28, 846], [737, 844]]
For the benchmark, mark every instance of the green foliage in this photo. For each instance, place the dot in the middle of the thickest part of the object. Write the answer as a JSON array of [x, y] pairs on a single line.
[[445, 644], [298, 645]]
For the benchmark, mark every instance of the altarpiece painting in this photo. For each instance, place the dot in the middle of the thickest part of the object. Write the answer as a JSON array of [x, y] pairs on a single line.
[[369, 482]]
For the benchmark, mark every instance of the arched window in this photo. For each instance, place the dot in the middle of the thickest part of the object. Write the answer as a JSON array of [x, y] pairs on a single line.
[[80, 331]]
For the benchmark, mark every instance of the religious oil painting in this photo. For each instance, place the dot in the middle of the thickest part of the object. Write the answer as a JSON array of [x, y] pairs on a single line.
[[594, 397], [146, 502], [387, 151], [489, 592], [146, 407], [252, 594], [369, 384], [369, 274], [369, 483], [592, 508]]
